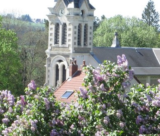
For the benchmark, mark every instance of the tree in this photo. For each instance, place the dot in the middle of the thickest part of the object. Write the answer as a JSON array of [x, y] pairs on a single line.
[[9, 61], [150, 16], [96, 23], [32, 42], [26, 18], [132, 32], [33, 56]]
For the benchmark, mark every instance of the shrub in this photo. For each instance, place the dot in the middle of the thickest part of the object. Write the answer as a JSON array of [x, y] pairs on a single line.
[[103, 107]]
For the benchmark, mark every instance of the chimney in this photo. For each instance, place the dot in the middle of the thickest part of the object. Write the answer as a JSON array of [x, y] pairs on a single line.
[[84, 64], [73, 67], [115, 42]]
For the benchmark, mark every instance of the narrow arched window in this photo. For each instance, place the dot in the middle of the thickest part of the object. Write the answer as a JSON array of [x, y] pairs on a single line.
[[64, 73], [56, 37], [79, 34], [57, 75], [64, 33], [85, 34]]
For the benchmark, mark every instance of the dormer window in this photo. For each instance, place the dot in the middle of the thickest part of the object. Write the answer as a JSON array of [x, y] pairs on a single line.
[[67, 94]]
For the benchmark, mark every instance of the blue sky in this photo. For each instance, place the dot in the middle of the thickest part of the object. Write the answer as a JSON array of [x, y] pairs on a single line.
[[109, 8]]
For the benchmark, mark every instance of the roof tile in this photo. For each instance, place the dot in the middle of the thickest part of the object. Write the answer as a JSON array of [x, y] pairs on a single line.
[[70, 84]]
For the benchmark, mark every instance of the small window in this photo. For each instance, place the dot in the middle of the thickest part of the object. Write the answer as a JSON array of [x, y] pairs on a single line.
[[67, 94]]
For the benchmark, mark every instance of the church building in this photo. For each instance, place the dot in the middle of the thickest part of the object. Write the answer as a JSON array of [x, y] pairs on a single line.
[[71, 38]]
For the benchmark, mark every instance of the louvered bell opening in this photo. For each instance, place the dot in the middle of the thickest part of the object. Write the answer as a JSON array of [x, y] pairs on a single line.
[[79, 34], [56, 41], [64, 33], [85, 34]]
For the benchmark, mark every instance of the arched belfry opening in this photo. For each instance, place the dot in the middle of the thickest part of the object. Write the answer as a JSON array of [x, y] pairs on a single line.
[[59, 70]]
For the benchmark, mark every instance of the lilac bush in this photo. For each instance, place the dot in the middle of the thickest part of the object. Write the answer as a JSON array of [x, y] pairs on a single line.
[[31, 114], [103, 107]]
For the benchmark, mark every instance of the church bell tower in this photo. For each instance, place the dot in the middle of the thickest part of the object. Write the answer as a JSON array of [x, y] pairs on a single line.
[[70, 37]]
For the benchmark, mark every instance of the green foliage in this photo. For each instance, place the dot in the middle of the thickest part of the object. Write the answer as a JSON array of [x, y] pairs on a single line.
[[150, 16], [33, 56], [32, 43], [132, 33], [9, 61]]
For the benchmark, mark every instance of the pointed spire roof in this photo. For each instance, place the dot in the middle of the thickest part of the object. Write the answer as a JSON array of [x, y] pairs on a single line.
[[115, 42], [77, 3]]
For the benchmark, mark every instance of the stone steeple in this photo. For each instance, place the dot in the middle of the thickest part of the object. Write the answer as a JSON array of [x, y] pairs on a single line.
[[115, 42], [70, 36]]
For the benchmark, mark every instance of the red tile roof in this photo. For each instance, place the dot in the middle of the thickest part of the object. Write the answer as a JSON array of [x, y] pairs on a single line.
[[73, 84]]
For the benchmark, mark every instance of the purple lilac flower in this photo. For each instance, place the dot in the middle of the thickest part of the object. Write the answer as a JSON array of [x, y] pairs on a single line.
[[148, 98], [106, 120], [119, 60], [134, 104], [156, 103], [10, 109], [1, 111], [142, 129], [96, 71], [32, 85], [122, 61], [10, 99], [158, 113], [5, 132], [102, 87], [47, 103], [122, 124], [83, 93], [80, 118], [126, 85], [139, 119], [5, 120], [124, 57], [104, 106], [23, 102], [33, 125], [159, 81], [53, 133], [91, 88], [98, 77], [119, 113]]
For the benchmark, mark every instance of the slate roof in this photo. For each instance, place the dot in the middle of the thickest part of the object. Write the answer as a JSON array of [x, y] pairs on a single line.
[[137, 57], [71, 84], [77, 3]]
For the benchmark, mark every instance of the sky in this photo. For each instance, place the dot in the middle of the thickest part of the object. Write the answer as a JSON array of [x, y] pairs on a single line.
[[109, 8]]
